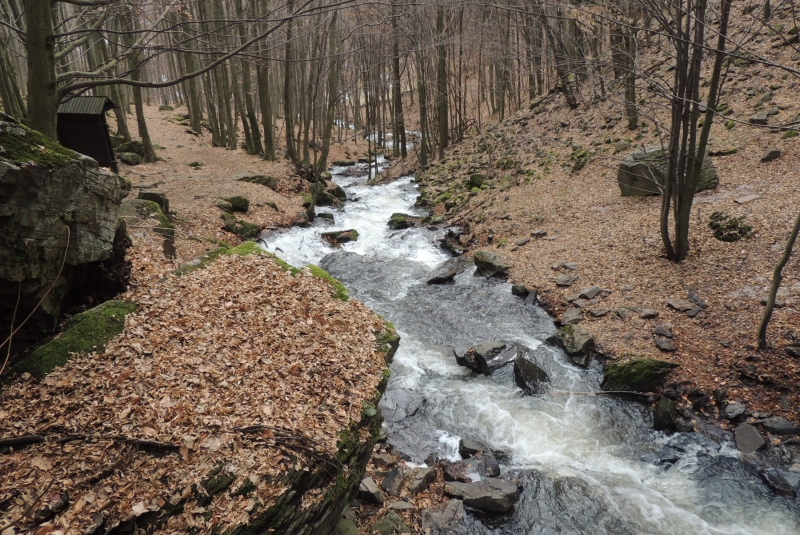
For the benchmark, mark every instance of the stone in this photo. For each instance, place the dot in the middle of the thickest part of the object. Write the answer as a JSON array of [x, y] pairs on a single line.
[[338, 237], [346, 527], [665, 415], [390, 524], [590, 292], [264, 180], [761, 118], [157, 197], [224, 205], [491, 495], [643, 173], [665, 344], [780, 302], [528, 376], [648, 313], [420, 479], [401, 506], [326, 216], [621, 146], [636, 375], [520, 290], [393, 482], [566, 280], [522, 242], [664, 330], [734, 410], [487, 357], [369, 492], [748, 439], [781, 482], [468, 447], [695, 298], [449, 520], [45, 189], [399, 221], [746, 198], [680, 305], [777, 425], [572, 316], [448, 270], [771, 154], [490, 263], [383, 460], [129, 158], [398, 404], [538, 234], [793, 351], [577, 343], [598, 312], [238, 203]]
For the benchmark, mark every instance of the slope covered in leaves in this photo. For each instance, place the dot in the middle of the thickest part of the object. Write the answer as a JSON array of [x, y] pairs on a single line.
[[208, 356]]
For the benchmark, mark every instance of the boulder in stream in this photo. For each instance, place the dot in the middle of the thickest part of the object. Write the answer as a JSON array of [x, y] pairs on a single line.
[[399, 221], [577, 343], [491, 495], [338, 237], [528, 376], [399, 404], [636, 375], [491, 264], [487, 357], [447, 270]]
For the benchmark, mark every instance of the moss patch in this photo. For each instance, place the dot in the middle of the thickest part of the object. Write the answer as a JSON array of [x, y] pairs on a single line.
[[339, 291], [243, 229], [387, 341], [238, 203], [245, 249], [19, 144], [85, 332], [147, 209], [636, 375], [729, 229]]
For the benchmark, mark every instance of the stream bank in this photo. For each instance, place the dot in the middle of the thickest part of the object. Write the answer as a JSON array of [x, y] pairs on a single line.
[[588, 464]]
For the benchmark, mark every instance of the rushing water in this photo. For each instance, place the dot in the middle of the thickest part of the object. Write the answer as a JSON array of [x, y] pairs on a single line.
[[587, 464]]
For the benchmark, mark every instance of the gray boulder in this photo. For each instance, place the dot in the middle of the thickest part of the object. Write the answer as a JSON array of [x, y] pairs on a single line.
[[528, 376], [487, 357], [577, 343], [129, 158], [448, 521], [665, 415], [491, 495], [420, 479], [777, 425], [490, 263], [393, 482], [369, 492], [399, 404], [45, 190], [644, 171], [447, 270], [390, 524], [748, 439]]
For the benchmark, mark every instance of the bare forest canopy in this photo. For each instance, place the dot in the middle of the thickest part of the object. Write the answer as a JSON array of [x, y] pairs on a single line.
[[284, 74]]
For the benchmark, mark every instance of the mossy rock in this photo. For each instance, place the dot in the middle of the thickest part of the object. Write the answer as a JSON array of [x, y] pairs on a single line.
[[195, 165], [399, 221], [129, 158], [264, 180], [146, 209], [343, 163], [338, 237], [238, 203], [84, 332], [245, 249], [789, 134], [339, 291], [135, 147], [637, 374], [576, 343], [19, 145], [476, 180], [729, 229], [246, 231], [387, 341], [730, 124]]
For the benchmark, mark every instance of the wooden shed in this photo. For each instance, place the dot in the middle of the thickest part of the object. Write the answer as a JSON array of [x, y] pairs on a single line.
[[82, 127]]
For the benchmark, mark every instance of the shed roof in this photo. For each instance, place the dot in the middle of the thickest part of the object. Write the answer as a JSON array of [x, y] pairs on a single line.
[[85, 105]]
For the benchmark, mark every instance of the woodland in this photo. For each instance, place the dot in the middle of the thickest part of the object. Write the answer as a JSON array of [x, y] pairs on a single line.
[[539, 93]]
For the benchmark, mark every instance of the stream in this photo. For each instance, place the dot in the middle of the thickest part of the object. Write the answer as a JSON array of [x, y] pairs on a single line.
[[587, 464]]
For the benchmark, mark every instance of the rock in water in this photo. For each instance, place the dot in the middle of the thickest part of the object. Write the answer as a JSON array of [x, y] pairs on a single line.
[[46, 189], [643, 173], [447, 270], [491, 495], [665, 416], [748, 439], [490, 263], [528, 376], [577, 343], [636, 375]]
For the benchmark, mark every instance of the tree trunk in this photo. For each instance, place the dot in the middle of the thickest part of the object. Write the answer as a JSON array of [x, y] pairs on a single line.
[[777, 277], [42, 95], [441, 82]]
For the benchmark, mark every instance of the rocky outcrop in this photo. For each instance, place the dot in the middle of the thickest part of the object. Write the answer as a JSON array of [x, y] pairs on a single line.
[[644, 171], [52, 200]]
